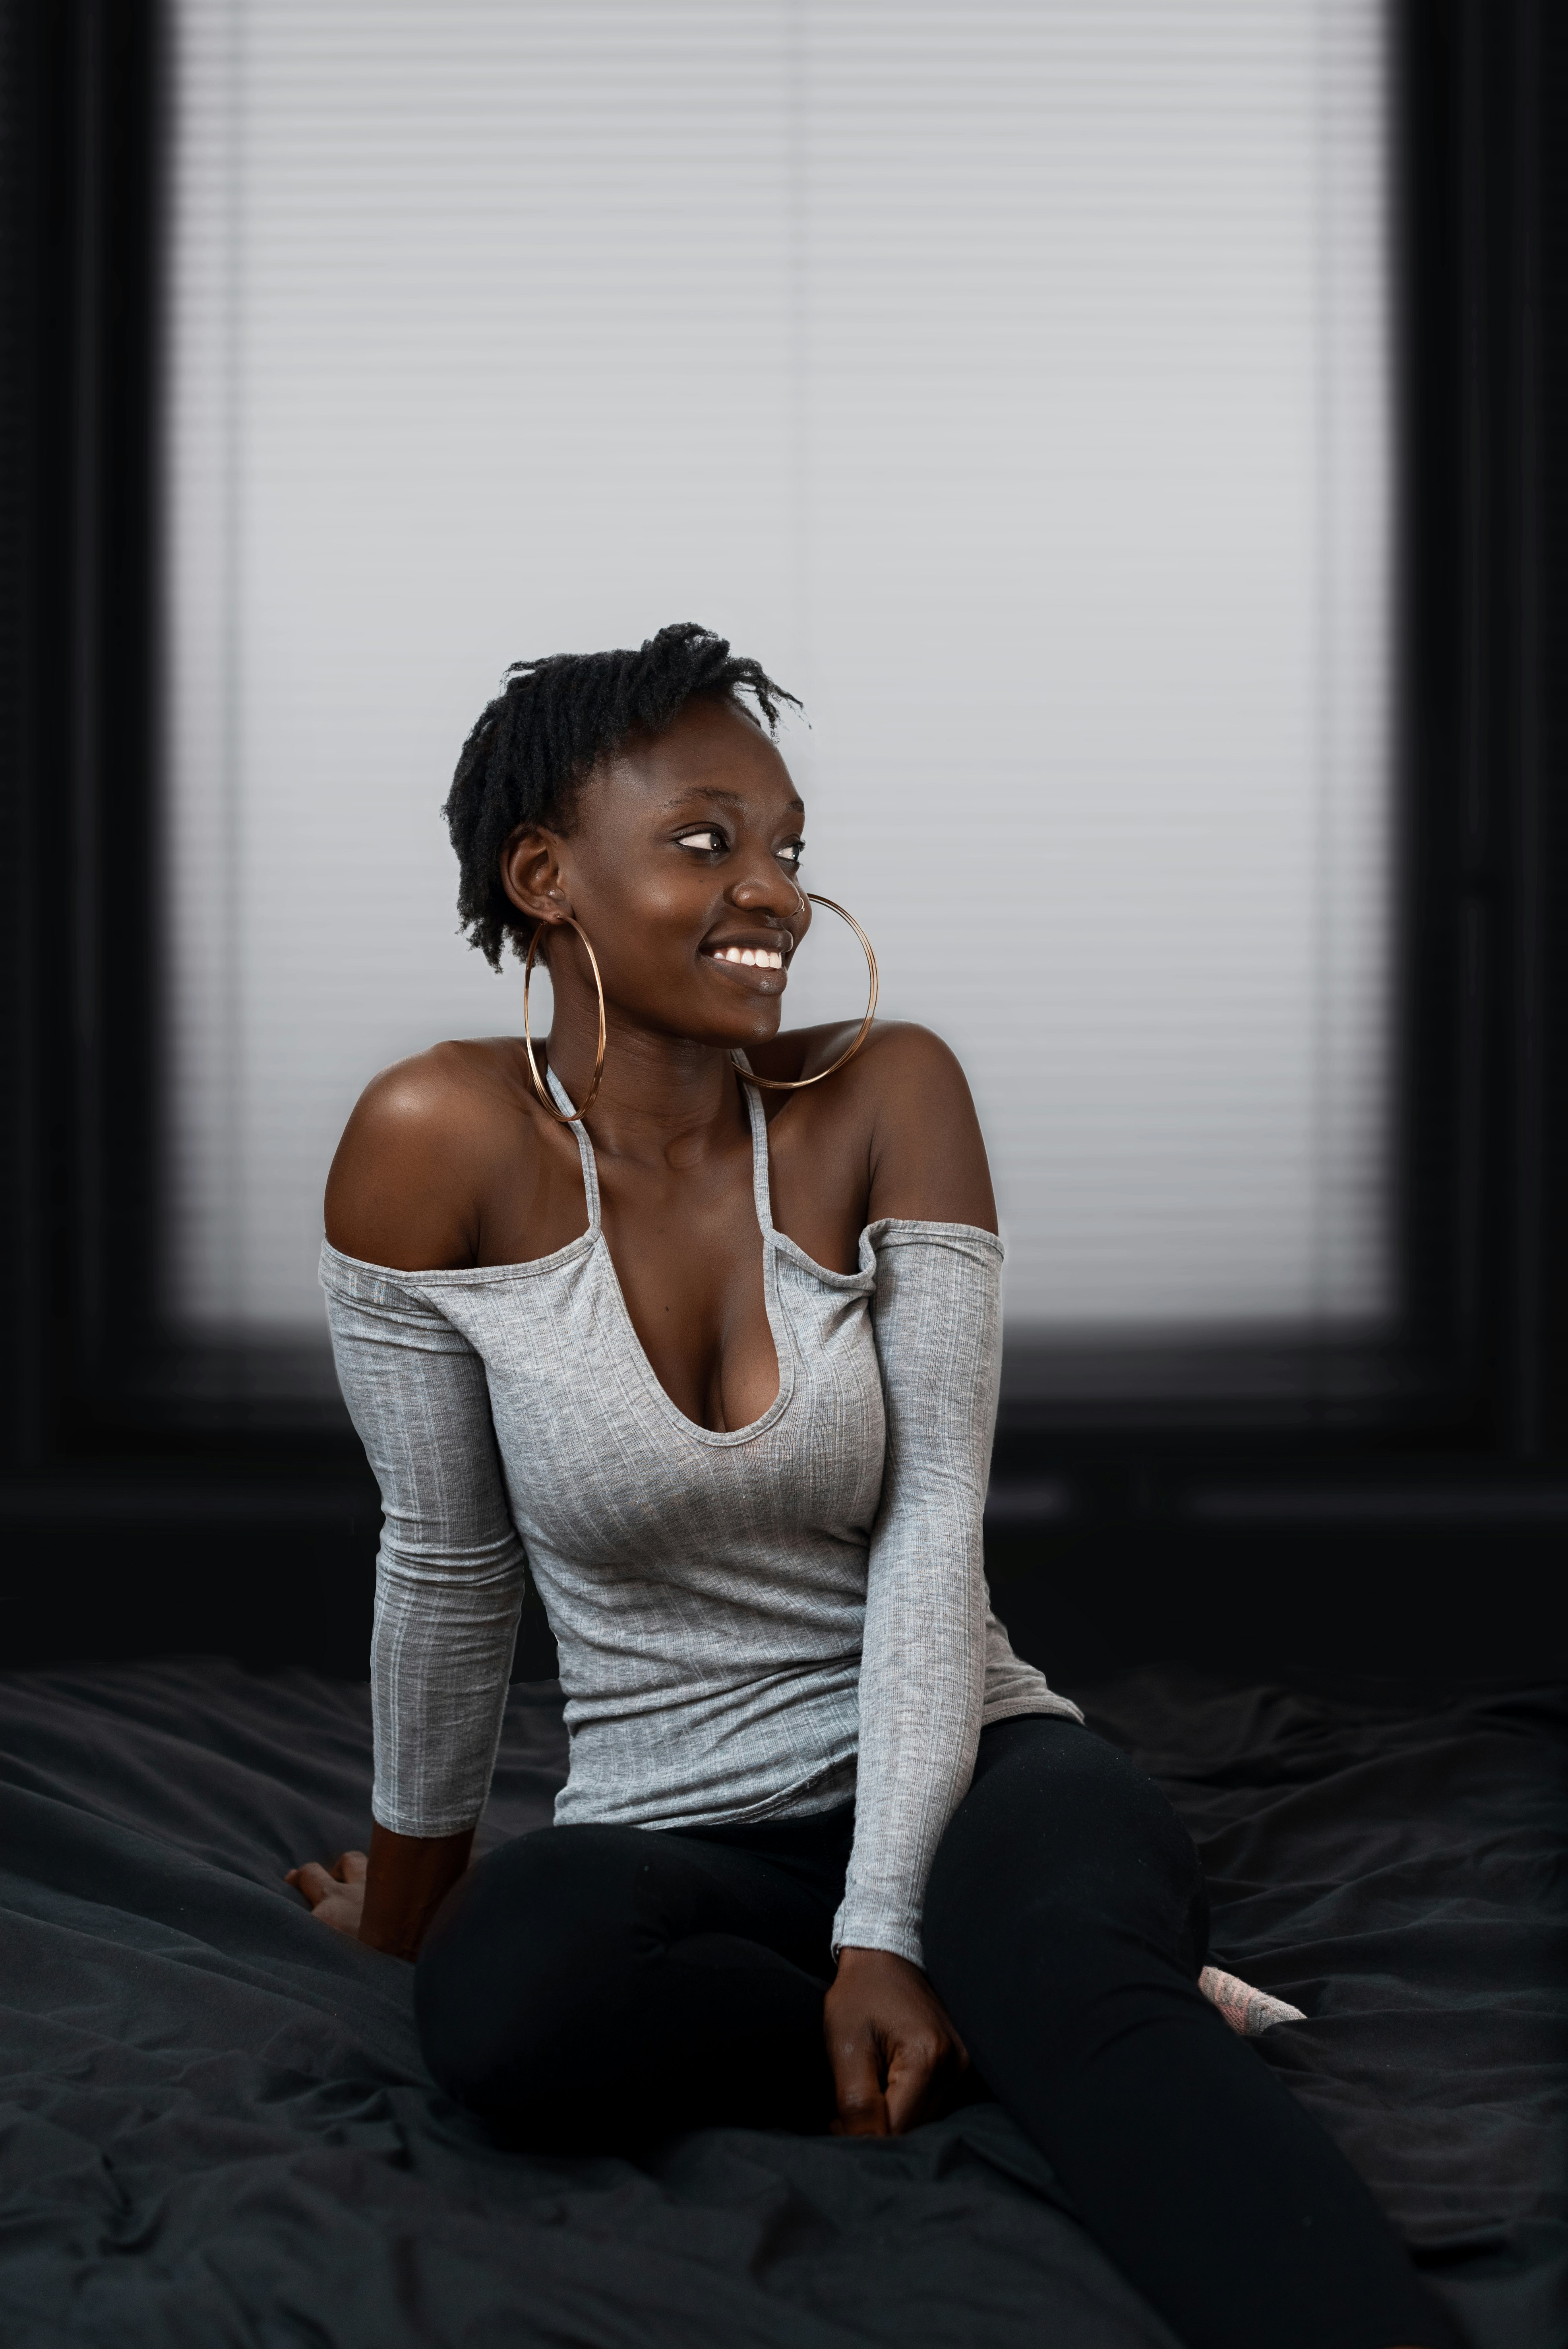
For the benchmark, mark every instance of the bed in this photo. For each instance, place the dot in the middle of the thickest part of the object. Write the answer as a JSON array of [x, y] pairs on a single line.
[[215, 2128]]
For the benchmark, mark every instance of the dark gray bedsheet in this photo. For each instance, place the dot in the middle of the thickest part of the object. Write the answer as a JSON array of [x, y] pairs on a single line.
[[215, 2127]]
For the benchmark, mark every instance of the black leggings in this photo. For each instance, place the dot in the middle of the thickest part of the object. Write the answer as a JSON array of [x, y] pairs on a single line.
[[598, 1987]]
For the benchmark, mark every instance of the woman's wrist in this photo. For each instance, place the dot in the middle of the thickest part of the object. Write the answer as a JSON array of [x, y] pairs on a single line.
[[409, 1878], [860, 1957]]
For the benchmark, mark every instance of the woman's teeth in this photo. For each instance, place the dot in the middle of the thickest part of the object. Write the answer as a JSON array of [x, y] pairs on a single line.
[[760, 957]]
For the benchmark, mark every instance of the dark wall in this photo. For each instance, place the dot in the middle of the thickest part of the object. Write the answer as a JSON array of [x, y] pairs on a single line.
[[282, 1576]]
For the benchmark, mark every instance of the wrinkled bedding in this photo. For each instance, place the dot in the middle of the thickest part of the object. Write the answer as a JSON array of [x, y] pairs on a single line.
[[215, 2128]]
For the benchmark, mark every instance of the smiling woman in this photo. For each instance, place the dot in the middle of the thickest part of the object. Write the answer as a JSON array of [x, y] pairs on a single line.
[[723, 1365], [678, 906]]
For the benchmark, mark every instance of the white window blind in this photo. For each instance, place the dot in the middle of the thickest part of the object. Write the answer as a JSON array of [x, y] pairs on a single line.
[[1011, 379]]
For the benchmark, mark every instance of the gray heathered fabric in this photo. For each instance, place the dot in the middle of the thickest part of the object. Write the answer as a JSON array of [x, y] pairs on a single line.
[[739, 1615]]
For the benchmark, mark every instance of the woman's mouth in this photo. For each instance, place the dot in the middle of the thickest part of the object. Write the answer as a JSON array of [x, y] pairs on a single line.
[[757, 958], [754, 963]]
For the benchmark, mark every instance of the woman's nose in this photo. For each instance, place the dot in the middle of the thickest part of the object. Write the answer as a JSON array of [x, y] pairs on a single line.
[[772, 892]]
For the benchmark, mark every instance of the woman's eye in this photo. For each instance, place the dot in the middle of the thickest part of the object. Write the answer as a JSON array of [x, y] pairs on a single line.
[[706, 841], [791, 855]]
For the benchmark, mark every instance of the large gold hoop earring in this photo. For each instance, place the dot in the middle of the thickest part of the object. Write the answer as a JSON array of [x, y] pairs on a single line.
[[561, 921], [793, 1084]]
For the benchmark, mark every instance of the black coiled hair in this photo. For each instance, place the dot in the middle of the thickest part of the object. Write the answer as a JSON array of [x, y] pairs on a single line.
[[550, 724]]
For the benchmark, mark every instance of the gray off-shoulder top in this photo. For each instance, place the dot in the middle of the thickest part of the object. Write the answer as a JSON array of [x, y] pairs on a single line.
[[753, 1624]]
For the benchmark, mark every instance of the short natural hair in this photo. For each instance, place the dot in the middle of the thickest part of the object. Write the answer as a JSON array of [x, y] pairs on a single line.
[[550, 726]]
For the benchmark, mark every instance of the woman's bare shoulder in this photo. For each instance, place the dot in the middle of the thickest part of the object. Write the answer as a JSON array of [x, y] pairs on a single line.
[[412, 1165], [905, 1094], [905, 1059], [928, 1157], [475, 1076], [899, 1065], [897, 1055], [928, 1154]]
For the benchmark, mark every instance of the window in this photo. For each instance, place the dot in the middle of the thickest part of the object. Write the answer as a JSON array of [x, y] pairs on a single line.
[[1014, 380]]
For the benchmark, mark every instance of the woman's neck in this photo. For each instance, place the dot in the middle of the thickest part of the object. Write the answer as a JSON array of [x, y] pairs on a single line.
[[663, 1100]]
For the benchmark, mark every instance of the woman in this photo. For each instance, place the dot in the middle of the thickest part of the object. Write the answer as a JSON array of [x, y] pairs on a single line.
[[709, 1317]]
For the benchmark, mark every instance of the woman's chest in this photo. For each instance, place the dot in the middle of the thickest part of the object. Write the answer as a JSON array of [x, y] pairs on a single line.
[[687, 1243], [689, 1255], [601, 1463]]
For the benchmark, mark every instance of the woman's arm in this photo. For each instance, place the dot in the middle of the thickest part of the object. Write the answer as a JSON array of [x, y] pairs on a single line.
[[386, 1899], [449, 1582], [936, 1313]]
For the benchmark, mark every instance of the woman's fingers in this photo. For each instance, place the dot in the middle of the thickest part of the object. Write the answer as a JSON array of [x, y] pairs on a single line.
[[856, 2085], [312, 1880], [896, 2058], [337, 1886], [910, 2074]]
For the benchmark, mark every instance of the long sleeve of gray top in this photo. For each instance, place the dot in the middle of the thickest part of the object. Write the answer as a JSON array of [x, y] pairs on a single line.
[[937, 1316], [450, 1575]]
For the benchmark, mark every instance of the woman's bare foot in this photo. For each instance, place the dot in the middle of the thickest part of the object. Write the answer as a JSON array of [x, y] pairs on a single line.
[[1247, 2010]]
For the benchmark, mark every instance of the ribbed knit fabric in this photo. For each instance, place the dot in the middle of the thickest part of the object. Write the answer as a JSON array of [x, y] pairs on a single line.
[[753, 1623]]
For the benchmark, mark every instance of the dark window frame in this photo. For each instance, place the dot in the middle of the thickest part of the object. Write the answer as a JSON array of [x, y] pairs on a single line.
[[1124, 1461]]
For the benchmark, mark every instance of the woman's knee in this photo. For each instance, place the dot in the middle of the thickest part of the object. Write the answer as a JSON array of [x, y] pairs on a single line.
[[1067, 1858]]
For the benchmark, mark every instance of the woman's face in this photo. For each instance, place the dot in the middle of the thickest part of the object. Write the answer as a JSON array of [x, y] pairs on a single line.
[[682, 859]]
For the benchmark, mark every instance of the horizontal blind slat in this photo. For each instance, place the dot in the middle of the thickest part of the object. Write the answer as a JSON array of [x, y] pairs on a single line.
[[1012, 380]]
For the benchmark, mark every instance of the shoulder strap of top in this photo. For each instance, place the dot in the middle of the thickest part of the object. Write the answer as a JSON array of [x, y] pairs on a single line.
[[761, 1187], [585, 1147]]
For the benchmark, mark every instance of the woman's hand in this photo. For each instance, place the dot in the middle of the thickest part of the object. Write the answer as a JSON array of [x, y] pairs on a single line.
[[896, 2058], [337, 1894], [387, 1900]]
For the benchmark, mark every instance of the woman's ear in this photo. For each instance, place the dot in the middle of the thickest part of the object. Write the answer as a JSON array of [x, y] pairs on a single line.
[[530, 874]]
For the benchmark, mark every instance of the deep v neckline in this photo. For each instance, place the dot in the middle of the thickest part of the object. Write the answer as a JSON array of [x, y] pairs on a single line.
[[762, 1201]]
